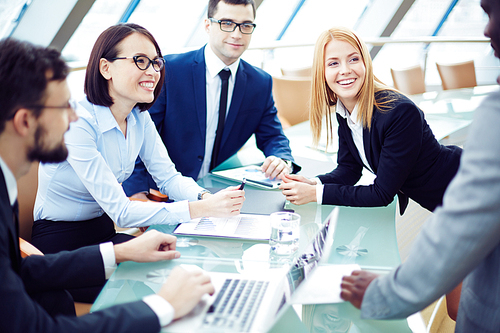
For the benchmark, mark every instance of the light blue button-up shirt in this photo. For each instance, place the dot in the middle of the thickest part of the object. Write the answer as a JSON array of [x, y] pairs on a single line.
[[100, 158]]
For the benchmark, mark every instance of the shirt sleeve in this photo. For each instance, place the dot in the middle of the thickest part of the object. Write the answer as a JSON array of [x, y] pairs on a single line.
[[158, 163], [319, 190], [100, 181], [108, 258], [161, 308]]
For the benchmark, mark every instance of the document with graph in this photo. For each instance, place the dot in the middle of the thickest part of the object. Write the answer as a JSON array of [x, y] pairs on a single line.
[[242, 226]]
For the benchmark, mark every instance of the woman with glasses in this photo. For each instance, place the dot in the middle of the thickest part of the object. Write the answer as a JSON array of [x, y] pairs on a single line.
[[378, 128], [78, 200]]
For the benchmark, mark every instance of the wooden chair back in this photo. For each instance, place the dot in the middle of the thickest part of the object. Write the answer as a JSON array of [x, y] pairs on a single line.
[[456, 76]]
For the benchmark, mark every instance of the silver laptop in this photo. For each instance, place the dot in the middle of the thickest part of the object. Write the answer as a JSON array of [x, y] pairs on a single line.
[[251, 302]]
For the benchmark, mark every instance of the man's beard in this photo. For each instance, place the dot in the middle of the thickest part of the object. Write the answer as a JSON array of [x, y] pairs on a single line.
[[39, 153]]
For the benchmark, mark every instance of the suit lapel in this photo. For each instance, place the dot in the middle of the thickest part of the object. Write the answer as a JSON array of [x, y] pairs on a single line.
[[367, 148], [11, 226], [200, 90], [236, 100]]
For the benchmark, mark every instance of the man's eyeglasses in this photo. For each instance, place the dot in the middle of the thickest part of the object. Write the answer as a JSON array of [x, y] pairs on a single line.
[[143, 62], [230, 26], [71, 105]]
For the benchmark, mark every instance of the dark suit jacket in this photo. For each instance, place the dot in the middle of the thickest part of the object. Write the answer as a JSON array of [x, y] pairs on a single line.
[[180, 116], [21, 277], [404, 154]]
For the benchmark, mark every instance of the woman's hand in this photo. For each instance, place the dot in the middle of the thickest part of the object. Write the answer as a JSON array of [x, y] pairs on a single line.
[[298, 189], [225, 203]]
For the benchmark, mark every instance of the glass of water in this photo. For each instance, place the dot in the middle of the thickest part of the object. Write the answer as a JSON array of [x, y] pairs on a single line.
[[285, 229]]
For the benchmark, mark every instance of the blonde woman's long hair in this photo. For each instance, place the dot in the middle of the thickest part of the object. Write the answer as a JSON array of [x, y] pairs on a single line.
[[323, 98]]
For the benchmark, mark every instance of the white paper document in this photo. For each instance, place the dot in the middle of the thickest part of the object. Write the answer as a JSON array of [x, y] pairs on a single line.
[[244, 226], [323, 286]]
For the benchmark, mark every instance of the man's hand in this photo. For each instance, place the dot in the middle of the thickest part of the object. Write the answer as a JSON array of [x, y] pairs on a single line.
[[275, 167], [183, 290], [150, 246], [298, 189], [353, 287]]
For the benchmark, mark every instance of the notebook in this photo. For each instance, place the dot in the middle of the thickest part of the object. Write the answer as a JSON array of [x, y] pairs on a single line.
[[252, 302], [253, 222], [244, 226]]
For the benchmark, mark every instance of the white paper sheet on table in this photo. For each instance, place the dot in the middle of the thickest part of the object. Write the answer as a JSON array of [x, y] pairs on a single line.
[[245, 226], [323, 286]]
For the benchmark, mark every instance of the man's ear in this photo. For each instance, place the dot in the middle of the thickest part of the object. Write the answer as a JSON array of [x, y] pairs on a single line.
[[207, 25], [104, 68], [24, 121]]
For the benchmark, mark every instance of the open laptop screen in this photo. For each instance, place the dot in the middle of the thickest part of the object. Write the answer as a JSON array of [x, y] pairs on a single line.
[[308, 259]]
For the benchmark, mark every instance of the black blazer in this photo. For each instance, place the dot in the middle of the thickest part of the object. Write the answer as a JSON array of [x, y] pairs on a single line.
[[21, 277], [404, 154]]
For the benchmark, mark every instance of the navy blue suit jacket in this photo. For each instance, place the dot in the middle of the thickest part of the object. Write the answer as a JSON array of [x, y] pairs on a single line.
[[84, 267], [404, 154], [180, 117]]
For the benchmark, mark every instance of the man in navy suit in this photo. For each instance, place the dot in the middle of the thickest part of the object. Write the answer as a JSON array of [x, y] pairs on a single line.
[[187, 111], [34, 115], [460, 242]]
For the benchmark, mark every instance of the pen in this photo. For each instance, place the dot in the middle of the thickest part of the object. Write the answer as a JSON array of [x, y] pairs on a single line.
[[243, 184]]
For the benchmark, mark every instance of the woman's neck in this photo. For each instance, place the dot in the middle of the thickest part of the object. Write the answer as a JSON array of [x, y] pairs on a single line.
[[121, 111], [349, 105]]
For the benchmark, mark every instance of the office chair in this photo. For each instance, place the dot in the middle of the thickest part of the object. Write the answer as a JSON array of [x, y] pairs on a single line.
[[28, 249], [291, 96], [296, 72], [409, 80], [456, 76]]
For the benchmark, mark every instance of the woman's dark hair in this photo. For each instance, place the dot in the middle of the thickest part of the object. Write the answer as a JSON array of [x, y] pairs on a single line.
[[25, 71], [106, 46]]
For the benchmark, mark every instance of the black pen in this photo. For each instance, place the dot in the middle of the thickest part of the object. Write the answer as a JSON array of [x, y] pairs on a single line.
[[243, 184]]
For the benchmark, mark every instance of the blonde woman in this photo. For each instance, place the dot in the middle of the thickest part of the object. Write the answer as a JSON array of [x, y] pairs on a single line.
[[379, 128]]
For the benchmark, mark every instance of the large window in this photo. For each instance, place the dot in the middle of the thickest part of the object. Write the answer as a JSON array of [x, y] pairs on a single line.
[[466, 19], [103, 14], [10, 11]]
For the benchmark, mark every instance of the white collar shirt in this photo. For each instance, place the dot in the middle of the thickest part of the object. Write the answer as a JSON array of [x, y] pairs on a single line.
[[87, 184], [356, 130], [10, 182], [213, 65]]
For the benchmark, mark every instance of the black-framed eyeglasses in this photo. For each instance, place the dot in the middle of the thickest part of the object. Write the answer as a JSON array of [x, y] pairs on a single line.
[[143, 62], [230, 26]]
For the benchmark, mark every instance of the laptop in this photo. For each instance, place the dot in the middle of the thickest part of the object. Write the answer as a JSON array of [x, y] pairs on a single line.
[[252, 302]]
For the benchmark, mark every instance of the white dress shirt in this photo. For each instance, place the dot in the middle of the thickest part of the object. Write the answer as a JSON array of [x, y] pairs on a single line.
[[213, 66], [100, 158], [158, 304], [356, 130], [357, 136]]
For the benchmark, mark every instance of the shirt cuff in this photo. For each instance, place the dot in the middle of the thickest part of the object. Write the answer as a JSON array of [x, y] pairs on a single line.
[[319, 193], [108, 258], [161, 308], [178, 211]]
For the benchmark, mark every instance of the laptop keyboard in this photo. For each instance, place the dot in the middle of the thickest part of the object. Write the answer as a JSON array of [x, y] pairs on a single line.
[[236, 305]]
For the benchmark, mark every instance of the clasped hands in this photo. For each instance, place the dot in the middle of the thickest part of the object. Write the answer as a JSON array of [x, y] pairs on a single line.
[[297, 189]]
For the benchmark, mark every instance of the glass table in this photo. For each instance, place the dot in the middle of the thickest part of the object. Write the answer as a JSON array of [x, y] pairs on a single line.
[[364, 236]]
